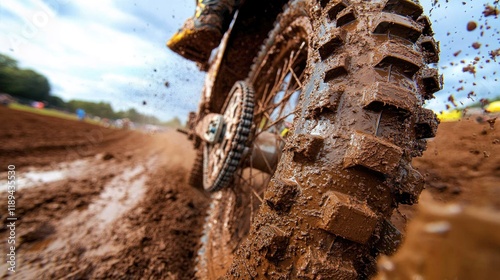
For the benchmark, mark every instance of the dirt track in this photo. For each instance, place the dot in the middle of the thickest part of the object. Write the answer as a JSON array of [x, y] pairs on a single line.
[[102, 203], [462, 163], [119, 204]]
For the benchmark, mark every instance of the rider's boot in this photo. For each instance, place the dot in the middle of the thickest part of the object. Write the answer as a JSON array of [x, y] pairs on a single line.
[[203, 32]]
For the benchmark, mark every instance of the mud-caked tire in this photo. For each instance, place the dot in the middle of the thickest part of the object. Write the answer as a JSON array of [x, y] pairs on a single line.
[[195, 179], [347, 164]]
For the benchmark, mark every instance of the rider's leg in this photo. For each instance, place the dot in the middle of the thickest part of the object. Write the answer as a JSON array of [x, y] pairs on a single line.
[[203, 32]]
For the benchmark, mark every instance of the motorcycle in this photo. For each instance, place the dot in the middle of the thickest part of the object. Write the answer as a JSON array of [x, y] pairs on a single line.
[[308, 120]]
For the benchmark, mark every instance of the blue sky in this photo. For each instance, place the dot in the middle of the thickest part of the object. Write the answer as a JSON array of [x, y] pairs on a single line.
[[450, 26], [114, 51]]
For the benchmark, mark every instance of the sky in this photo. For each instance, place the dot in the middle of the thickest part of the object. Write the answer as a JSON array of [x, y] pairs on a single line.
[[449, 21], [114, 51]]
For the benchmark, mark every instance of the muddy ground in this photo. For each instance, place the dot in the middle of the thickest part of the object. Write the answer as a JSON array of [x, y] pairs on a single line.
[[462, 164], [101, 203]]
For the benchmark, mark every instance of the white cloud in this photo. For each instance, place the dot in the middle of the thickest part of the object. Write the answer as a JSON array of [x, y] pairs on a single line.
[[87, 52]]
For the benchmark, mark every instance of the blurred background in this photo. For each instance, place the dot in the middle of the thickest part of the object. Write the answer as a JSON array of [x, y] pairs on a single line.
[[70, 54]]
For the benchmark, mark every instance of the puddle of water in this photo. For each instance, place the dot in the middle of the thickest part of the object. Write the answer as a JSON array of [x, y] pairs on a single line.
[[30, 179], [34, 177], [44, 177], [119, 195]]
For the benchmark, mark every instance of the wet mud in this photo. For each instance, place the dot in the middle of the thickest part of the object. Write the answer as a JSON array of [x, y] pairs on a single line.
[[447, 241], [462, 164], [125, 210], [122, 208]]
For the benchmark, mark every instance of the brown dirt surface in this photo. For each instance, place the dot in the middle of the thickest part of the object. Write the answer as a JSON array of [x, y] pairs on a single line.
[[98, 203], [462, 163], [119, 205], [32, 140], [454, 234]]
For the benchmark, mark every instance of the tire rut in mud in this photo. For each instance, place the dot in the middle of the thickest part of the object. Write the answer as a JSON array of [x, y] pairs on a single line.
[[159, 239]]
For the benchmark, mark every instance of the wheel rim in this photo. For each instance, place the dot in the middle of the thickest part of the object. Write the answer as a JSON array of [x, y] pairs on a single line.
[[232, 209]]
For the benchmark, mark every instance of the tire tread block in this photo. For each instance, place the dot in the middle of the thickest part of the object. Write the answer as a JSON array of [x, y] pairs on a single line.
[[429, 82], [427, 124], [283, 194], [338, 67], [397, 25], [306, 147], [336, 41], [430, 49], [380, 95], [426, 24], [390, 239], [274, 243], [345, 217], [405, 59], [404, 8], [346, 16], [335, 7], [411, 188], [373, 153]]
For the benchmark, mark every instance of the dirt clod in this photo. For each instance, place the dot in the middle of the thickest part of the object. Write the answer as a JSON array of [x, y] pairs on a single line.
[[492, 122], [107, 156], [490, 11], [471, 25], [469, 68]]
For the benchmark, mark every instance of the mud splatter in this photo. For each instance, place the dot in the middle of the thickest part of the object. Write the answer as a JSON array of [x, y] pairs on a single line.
[[491, 122], [484, 102], [494, 54], [469, 68], [490, 11], [471, 26], [451, 99]]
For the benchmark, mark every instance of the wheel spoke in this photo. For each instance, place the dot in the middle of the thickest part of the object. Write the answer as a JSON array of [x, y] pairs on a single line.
[[280, 119], [275, 105], [284, 86], [295, 77], [265, 159], [257, 195]]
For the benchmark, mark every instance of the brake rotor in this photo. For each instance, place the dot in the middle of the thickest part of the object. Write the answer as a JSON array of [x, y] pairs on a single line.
[[222, 158]]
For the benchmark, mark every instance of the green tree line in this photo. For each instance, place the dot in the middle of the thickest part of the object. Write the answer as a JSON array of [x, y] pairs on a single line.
[[30, 85], [24, 83], [104, 110]]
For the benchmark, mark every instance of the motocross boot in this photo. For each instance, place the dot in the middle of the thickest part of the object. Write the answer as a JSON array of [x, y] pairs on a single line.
[[203, 32]]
